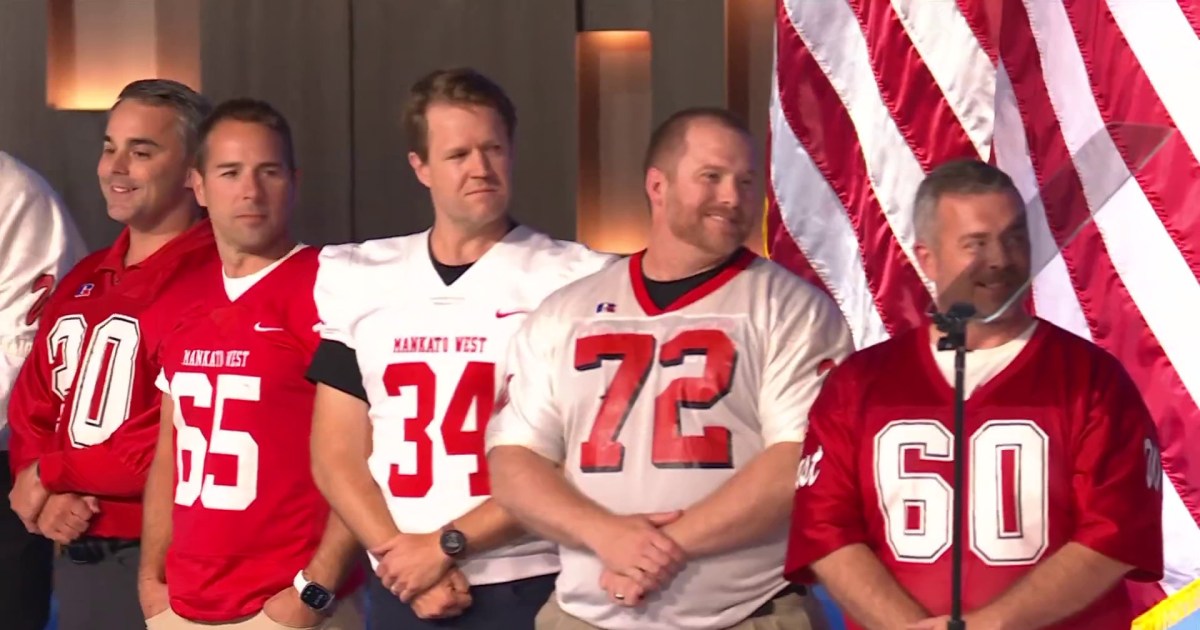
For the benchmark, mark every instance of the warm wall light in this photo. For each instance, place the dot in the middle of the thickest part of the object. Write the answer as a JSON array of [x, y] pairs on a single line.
[[96, 47], [614, 127]]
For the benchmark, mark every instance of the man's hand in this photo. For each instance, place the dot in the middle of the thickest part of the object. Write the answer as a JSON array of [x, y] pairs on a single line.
[[286, 609], [621, 590], [27, 497], [152, 594], [448, 598], [409, 564], [65, 517], [634, 547]]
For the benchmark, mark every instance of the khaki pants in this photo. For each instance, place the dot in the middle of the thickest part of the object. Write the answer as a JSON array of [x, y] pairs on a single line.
[[791, 612], [347, 616]]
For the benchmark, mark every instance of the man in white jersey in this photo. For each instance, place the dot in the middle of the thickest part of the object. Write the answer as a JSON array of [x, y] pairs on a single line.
[[678, 379], [414, 337], [40, 245]]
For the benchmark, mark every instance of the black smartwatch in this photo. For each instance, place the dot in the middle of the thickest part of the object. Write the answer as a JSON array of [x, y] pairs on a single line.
[[313, 595], [453, 543]]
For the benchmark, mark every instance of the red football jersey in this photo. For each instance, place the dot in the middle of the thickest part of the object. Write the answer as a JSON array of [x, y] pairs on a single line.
[[1061, 448], [85, 405], [247, 514]]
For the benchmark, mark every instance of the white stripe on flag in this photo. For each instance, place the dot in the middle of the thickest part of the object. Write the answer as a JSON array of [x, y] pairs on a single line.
[[816, 220], [1169, 53], [959, 65]]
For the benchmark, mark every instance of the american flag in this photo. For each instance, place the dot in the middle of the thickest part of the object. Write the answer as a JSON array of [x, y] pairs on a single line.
[[869, 95]]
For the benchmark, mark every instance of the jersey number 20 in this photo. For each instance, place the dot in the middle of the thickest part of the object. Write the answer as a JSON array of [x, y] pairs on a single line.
[[603, 452]]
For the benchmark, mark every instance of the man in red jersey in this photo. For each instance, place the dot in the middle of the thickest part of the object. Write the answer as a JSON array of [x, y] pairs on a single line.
[[1062, 462], [248, 541], [84, 409]]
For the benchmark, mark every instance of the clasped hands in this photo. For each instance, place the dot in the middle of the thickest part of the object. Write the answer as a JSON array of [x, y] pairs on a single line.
[[59, 517], [414, 568], [639, 558]]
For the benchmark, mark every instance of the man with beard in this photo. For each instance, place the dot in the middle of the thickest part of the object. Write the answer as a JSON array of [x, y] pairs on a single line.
[[1063, 495], [84, 410], [656, 409]]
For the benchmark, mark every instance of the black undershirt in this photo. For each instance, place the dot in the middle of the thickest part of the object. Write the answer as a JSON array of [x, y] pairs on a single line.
[[664, 294], [336, 364]]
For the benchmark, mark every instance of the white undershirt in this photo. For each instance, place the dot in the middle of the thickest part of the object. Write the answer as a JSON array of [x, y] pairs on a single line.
[[982, 365], [237, 287]]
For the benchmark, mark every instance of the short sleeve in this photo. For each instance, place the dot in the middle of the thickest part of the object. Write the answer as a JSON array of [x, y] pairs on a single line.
[[162, 384], [527, 415], [331, 290], [1118, 476], [807, 337], [826, 512]]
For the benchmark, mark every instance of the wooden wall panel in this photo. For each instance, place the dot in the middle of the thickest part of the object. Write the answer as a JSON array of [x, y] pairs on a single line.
[[296, 55], [688, 56], [528, 46], [340, 69], [62, 146]]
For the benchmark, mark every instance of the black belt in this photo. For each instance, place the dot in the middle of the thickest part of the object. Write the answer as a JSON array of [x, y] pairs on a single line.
[[92, 549], [768, 608]]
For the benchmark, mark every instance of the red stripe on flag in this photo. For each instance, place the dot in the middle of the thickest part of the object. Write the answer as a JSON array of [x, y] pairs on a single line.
[[985, 27], [1114, 320], [820, 122], [912, 96], [1191, 10], [1127, 100]]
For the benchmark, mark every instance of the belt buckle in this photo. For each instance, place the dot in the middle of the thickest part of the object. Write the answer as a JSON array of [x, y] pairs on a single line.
[[83, 552]]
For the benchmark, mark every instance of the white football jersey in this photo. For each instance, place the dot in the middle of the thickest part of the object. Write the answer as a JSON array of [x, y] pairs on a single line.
[[431, 358], [40, 245], [651, 410]]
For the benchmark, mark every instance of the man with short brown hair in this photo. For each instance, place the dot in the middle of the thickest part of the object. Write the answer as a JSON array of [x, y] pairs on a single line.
[[414, 331]]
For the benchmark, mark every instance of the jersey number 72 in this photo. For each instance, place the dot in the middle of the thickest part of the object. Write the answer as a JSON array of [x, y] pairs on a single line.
[[603, 452]]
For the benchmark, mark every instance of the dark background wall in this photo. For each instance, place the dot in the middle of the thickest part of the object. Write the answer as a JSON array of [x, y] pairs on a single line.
[[339, 69]]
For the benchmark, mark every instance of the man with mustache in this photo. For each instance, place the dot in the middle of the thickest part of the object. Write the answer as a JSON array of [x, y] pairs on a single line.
[[1063, 471], [656, 409], [414, 333], [84, 410]]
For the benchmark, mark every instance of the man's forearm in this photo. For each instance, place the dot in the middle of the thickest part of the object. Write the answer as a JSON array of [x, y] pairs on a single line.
[[865, 590], [334, 555], [1058, 587], [347, 484], [487, 527], [157, 507], [535, 491], [75, 470], [753, 504]]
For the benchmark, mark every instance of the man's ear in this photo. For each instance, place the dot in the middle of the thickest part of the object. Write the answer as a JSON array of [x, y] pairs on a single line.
[[656, 186], [420, 167], [195, 181]]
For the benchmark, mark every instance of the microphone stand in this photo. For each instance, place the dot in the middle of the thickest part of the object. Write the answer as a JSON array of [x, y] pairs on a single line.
[[954, 324]]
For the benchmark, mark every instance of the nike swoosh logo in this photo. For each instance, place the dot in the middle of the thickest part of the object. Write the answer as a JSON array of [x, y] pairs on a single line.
[[502, 314], [258, 327]]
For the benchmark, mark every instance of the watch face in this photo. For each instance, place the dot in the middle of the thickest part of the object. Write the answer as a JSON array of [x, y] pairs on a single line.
[[316, 597], [453, 542]]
